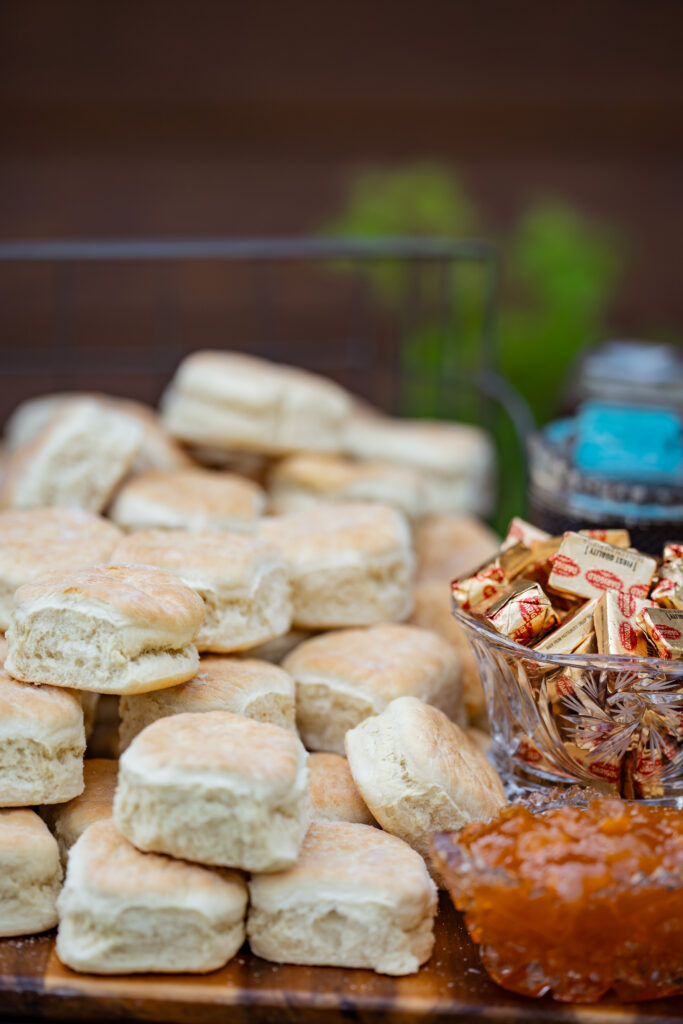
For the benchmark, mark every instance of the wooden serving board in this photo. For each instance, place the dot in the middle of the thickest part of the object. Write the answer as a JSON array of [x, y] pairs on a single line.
[[453, 986]]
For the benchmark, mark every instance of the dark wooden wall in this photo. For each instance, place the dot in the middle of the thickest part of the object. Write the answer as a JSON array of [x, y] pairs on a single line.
[[169, 118]]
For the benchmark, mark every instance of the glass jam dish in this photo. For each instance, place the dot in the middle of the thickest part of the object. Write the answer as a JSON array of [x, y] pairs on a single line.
[[573, 898], [613, 722]]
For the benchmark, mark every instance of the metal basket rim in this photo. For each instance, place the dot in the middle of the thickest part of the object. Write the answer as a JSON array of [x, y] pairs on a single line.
[[225, 247]]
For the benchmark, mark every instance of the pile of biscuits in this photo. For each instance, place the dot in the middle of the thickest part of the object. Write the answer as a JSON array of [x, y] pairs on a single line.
[[288, 738]]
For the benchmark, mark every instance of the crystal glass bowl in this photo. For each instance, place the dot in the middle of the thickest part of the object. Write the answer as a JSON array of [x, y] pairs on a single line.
[[607, 721]]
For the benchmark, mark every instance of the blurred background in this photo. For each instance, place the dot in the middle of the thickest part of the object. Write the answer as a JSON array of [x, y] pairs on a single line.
[[553, 130]]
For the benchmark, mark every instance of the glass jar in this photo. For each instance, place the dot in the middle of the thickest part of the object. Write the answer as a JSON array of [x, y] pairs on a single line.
[[562, 497]]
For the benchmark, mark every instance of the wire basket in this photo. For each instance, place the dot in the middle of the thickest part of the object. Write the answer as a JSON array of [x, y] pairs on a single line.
[[407, 324]]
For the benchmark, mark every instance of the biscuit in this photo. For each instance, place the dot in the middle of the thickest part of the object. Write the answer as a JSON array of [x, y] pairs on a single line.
[[455, 460], [297, 483], [76, 460], [351, 565], [433, 611], [30, 874], [126, 912], [356, 897], [334, 794], [158, 449], [235, 402], [189, 499], [345, 676], [255, 689], [243, 581], [69, 821], [111, 629], [36, 540], [42, 743], [419, 773], [215, 788], [447, 547]]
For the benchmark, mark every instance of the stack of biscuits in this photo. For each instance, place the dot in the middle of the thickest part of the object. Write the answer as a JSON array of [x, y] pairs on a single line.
[[248, 582]]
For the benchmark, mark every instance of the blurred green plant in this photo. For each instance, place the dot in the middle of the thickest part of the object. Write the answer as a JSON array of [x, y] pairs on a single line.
[[560, 272]]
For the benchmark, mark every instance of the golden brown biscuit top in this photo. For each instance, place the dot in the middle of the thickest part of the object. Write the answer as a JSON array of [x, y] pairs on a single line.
[[437, 749], [220, 744], [109, 865], [337, 856], [95, 802], [28, 708], [36, 540], [141, 594], [199, 491], [450, 546], [23, 833], [330, 473], [355, 528], [221, 677], [254, 382], [392, 658], [332, 787], [235, 557], [436, 445]]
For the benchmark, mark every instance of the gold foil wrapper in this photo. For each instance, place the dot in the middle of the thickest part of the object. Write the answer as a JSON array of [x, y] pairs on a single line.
[[530, 752], [514, 560], [571, 633], [664, 629], [523, 614], [668, 587], [673, 551], [601, 768], [616, 626], [485, 585], [617, 538], [539, 572], [544, 550], [562, 684], [492, 579], [588, 568], [521, 532], [589, 645]]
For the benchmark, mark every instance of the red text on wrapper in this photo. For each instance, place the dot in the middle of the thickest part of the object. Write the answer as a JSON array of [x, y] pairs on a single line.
[[628, 636], [603, 579], [667, 632], [605, 770], [563, 565]]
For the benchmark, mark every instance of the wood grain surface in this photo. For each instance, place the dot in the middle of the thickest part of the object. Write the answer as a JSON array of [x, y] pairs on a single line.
[[452, 986]]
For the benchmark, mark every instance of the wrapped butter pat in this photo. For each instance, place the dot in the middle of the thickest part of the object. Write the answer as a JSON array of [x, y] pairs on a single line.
[[587, 568], [523, 614]]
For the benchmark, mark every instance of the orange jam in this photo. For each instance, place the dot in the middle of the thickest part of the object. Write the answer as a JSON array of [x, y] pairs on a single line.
[[575, 899]]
